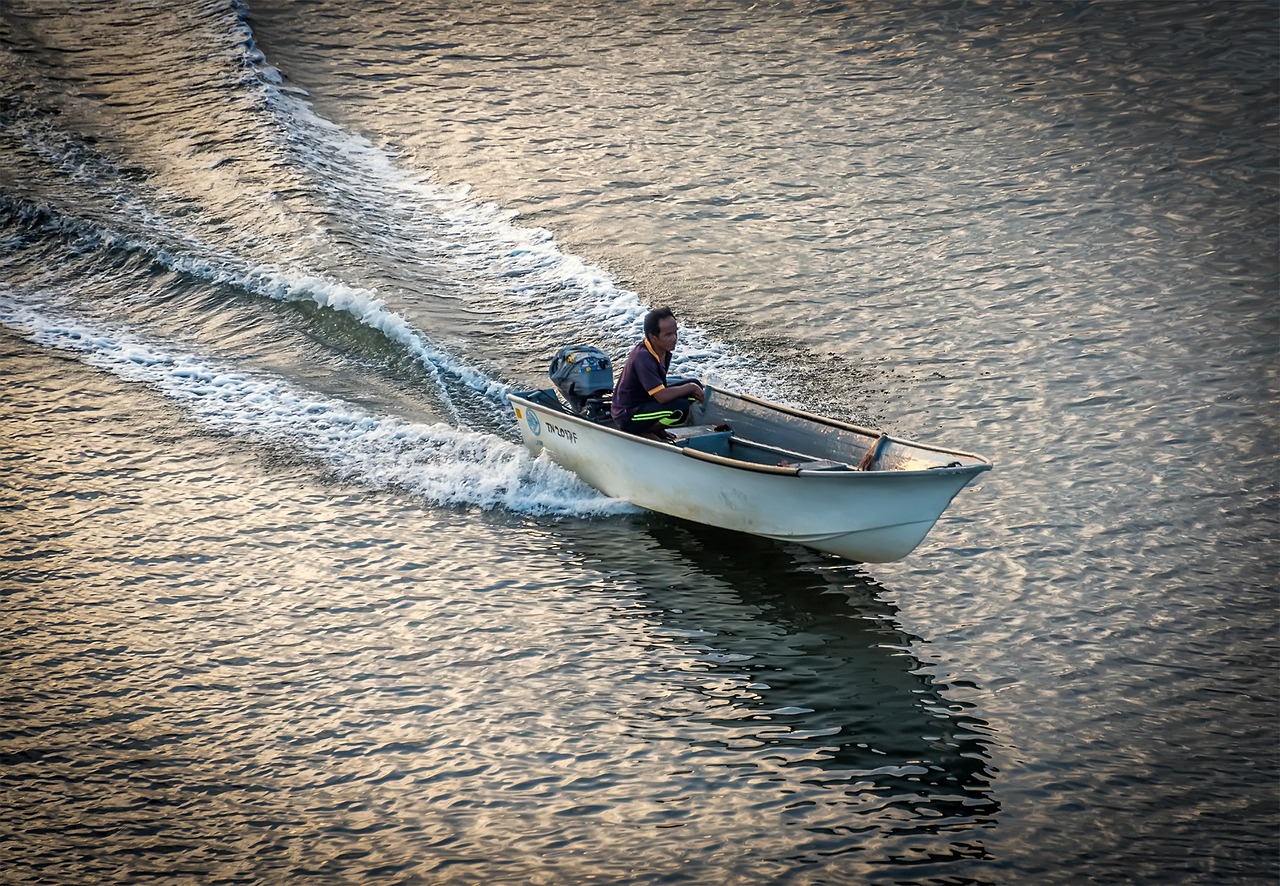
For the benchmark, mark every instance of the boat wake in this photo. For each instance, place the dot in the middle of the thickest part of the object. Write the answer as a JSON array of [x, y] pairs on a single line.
[[438, 463], [133, 243], [185, 256]]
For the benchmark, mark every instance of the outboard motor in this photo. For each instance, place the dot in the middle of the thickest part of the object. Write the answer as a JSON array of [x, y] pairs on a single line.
[[584, 377]]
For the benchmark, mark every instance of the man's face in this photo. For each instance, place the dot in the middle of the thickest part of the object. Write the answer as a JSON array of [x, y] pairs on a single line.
[[665, 340]]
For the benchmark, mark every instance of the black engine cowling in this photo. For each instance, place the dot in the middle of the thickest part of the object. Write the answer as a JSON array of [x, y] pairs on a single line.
[[584, 377]]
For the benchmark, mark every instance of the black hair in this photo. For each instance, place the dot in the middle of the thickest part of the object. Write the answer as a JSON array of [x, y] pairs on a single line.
[[655, 317]]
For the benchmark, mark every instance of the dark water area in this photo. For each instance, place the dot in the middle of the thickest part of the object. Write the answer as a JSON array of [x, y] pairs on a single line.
[[282, 598]]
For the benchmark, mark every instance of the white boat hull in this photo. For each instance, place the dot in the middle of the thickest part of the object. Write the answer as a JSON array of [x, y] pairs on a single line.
[[867, 516]]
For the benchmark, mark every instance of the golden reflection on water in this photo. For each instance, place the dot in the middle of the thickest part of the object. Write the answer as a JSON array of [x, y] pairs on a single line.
[[350, 676], [1055, 233]]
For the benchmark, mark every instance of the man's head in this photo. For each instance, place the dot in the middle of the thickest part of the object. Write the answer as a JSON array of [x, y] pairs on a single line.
[[660, 329]]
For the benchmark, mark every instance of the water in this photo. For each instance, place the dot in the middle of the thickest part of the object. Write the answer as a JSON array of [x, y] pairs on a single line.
[[283, 599]]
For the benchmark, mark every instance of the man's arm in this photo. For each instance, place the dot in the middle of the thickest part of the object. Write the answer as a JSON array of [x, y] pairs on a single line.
[[688, 389]]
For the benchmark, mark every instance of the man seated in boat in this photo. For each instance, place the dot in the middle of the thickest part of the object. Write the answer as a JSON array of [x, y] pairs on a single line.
[[643, 402]]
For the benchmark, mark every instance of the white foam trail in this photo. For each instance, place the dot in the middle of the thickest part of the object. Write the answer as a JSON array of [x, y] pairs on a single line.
[[439, 463]]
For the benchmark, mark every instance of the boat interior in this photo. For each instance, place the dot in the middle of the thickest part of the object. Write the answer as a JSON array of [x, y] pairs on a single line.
[[743, 429], [712, 440]]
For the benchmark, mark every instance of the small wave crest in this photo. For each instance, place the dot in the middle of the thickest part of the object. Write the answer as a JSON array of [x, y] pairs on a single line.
[[281, 284], [441, 464]]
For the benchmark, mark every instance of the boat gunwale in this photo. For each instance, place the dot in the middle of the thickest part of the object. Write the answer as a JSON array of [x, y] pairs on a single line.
[[791, 470], [742, 465]]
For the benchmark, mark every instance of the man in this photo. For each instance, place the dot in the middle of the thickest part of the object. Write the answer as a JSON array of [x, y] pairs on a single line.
[[643, 403]]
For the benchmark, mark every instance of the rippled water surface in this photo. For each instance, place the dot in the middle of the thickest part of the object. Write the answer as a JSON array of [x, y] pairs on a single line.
[[283, 600]]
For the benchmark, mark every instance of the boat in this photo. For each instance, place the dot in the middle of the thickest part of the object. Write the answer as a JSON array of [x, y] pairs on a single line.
[[747, 464]]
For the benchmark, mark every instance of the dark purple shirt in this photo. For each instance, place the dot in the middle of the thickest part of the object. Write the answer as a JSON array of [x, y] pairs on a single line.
[[642, 377]]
